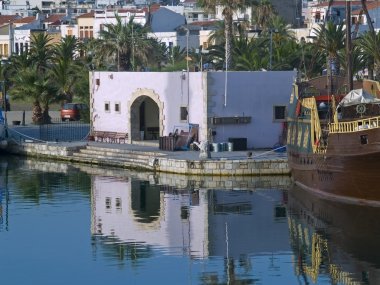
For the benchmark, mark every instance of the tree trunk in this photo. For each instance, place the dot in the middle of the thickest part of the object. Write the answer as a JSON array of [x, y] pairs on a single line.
[[46, 119], [228, 36], [37, 117]]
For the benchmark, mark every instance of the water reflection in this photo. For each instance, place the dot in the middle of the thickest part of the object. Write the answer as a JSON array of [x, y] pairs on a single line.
[[335, 240], [193, 222], [143, 224]]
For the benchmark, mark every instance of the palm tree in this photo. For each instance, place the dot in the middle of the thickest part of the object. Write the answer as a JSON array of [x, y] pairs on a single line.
[[229, 8], [30, 77], [262, 14], [368, 44], [67, 49], [217, 36], [249, 54], [65, 69], [281, 42], [29, 85], [331, 40], [124, 43], [41, 51], [18, 62]]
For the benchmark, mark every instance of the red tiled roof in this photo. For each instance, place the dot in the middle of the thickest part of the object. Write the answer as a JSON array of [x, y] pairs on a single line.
[[5, 19], [153, 8], [54, 18], [25, 20], [87, 15], [203, 23], [130, 10]]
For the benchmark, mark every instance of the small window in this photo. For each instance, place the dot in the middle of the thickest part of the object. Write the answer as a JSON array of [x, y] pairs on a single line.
[[118, 203], [107, 107], [184, 113], [108, 203], [279, 113], [117, 107], [364, 139]]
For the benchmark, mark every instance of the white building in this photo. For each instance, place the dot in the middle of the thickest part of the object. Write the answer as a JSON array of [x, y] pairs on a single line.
[[103, 17], [247, 105]]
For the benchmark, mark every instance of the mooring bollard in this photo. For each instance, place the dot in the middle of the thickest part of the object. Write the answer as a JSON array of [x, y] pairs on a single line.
[[23, 118]]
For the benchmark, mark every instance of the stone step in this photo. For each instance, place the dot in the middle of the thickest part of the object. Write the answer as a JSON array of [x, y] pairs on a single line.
[[123, 151], [109, 153], [112, 162], [98, 156]]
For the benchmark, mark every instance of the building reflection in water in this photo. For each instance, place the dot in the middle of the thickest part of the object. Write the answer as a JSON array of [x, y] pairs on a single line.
[[338, 240], [194, 222], [250, 231]]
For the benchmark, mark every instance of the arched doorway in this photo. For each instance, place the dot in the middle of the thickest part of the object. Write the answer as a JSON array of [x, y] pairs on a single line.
[[145, 115]]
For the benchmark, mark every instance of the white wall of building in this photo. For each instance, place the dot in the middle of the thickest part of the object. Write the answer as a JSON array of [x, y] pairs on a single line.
[[21, 39], [249, 94], [169, 38], [171, 87], [69, 29], [108, 17]]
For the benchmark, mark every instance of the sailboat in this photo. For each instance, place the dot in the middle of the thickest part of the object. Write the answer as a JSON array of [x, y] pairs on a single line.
[[333, 140]]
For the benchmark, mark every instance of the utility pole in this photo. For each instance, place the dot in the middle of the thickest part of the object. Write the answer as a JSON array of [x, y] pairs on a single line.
[[350, 82]]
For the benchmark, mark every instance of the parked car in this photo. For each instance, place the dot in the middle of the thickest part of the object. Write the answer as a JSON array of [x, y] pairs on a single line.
[[73, 111]]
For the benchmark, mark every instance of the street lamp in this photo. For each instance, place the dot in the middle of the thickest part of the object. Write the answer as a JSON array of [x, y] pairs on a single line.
[[202, 51], [187, 49], [271, 47], [187, 72]]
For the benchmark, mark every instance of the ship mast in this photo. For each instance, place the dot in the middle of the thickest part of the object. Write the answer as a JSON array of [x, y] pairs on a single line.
[[350, 81], [348, 35]]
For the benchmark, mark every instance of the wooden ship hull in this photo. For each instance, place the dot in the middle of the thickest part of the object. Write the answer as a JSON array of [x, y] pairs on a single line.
[[338, 159]]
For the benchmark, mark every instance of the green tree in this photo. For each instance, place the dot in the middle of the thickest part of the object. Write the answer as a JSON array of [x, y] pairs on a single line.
[[124, 44], [262, 13], [229, 8], [250, 54], [28, 85], [330, 41], [369, 46], [65, 69], [41, 51]]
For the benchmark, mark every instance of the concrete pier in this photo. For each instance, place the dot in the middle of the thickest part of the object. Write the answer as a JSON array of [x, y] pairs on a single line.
[[132, 156]]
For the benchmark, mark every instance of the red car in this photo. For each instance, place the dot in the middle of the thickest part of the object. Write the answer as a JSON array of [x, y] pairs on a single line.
[[72, 111]]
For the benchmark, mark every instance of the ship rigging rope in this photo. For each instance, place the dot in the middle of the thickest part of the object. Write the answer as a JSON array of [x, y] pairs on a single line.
[[272, 150]]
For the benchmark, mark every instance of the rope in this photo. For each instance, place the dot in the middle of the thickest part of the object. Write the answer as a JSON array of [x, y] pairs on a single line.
[[273, 150], [23, 135]]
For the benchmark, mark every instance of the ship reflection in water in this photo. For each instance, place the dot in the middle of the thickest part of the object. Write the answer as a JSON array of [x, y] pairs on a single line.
[[339, 240], [166, 229]]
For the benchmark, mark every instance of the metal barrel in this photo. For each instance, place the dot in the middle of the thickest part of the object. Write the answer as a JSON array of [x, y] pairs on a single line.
[[230, 146], [215, 147]]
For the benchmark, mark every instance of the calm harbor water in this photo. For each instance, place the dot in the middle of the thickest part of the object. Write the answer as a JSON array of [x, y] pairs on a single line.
[[70, 224]]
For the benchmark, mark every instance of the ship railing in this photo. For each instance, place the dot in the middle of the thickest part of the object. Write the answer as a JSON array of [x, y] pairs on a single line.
[[354, 126]]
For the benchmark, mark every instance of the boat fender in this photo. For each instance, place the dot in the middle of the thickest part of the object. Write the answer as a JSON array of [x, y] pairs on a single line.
[[298, 108]]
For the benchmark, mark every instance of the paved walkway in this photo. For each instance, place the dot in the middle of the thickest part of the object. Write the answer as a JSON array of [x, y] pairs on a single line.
[[194, 155], [180, 155]]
